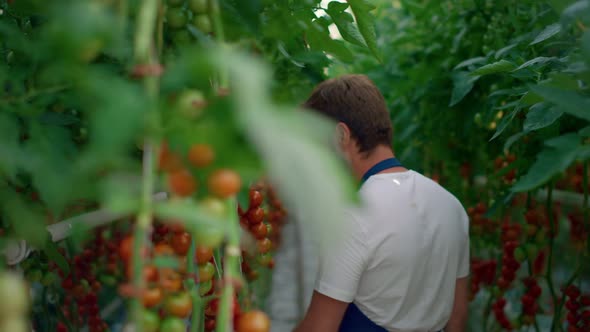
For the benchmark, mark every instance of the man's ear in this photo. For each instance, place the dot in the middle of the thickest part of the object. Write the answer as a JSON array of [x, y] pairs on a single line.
[[343, 134]]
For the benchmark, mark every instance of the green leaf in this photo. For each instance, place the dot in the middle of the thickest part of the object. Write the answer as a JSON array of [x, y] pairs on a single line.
[[541, 115], [505, 122], [463, 83], [503, 51], [345, 23], [586, 45], [567, 101], [513, 139], [538, 61], [27, 223], [319, 39], [364, 20], [493, 68], [55, 256], [548, 32], [192, 215], [584, 132], [471, 62], [58, 119], [9, 149], [555, 158]]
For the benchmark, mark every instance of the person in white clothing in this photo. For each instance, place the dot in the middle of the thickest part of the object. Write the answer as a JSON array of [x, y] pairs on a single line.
[[403, 263]]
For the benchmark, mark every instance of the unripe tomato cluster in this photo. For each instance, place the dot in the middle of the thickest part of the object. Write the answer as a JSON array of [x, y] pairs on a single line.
[[181, 14], [578, 307]]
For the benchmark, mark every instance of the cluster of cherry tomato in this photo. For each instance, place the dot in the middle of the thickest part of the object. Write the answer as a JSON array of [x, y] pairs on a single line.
[[483, 273], [479, 224], [500, 315], [222, 183], [509, 265], [529, 299], [502, 163], [578, 231], [578, 307], [573, 179], [166, 300], [252, 220], [181, 13]]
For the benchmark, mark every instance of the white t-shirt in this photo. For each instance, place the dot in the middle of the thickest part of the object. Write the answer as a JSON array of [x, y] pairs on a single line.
[[403, 251]]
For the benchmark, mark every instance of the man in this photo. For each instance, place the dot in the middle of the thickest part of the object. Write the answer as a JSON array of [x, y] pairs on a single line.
[[404, 262]]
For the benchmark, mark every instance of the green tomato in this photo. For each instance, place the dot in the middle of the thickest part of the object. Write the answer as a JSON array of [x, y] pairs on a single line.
[[209, 236], [206, 272], [214, 206], [519, 255], [190, 103], [203, 23], [14, 288], [150, 321], [264, 259], [532, 250], [198, 6], [176, 18], [172, 324], [181, 37], [175, 3], [205, 287]]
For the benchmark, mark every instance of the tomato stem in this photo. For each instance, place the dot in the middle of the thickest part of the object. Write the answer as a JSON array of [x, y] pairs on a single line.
[[197, 323], [585, 207], [230, 270], [215, 15], [548, 276], [144, 34]]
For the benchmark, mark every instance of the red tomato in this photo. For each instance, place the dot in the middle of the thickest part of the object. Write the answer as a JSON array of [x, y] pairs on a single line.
[[255, 216], [253, 321], [255, 199], [224, 183], [206, 272], [179, 305], [182, 183], [264, 245], [181, 243], [259, 230], [203, 254], [201, 155], [152, 297]]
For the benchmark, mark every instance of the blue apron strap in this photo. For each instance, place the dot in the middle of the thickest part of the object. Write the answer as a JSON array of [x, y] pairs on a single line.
[[355, 321], [380, 167]]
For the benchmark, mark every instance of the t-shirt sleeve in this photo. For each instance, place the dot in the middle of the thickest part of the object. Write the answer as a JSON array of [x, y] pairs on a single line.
[[342, 260], [463, 270]]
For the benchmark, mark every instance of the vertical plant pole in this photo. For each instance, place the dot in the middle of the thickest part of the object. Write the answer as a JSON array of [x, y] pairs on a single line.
[[231, 269], [144, 55], [197, 325]]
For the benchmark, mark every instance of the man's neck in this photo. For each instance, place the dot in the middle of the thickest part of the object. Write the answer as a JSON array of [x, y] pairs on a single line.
[[361, 165]]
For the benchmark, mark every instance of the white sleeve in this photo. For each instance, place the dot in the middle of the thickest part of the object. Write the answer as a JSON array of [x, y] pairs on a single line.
[[342, 260], [463, 269]]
